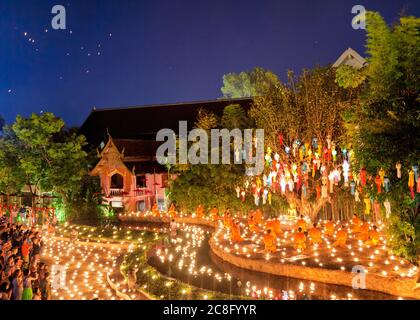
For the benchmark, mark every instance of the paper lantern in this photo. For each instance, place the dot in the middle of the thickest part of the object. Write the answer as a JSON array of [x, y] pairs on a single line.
[[387, 206], [378, 182], [363, 174], [411, 182], [238, 192], [367, 205], [386, 184], [398, 167]]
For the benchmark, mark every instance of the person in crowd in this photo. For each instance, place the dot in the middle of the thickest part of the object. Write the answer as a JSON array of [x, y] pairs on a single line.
[[22, 275], [17, 284]]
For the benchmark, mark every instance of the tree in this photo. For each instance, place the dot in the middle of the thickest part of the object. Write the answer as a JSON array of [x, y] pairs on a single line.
[[384, 125], [211, 184], [254, 83], [39, 152], [308, 106]]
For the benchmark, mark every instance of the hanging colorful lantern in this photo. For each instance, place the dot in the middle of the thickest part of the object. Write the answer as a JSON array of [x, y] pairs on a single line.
[[377, 208], [280, 136], [283, 183], [368, 205], [378, 183], [418, 185], [304, 167], [256, 199], [315, 142], [346, 168], [382, 176], [265, 194], [416, 171], [356, 195], [363, 174], [334, 154], [352, 187], [398, 167], [243, 193], [238, 192], [411, 182], [386, 184], [387, 206]]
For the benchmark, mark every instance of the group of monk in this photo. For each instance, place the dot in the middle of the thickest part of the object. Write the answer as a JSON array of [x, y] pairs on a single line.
[[272, 229], [364, 233]]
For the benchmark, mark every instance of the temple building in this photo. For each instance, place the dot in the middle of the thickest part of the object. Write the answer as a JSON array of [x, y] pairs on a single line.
[[130, 177]]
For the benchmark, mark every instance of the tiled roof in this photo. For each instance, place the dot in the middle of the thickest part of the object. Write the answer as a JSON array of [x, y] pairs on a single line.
[[144, 122]]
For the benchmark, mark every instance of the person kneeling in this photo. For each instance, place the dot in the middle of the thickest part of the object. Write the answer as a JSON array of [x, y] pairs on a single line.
[[341, 237], [315, 234], [269, 241], [300, 240]]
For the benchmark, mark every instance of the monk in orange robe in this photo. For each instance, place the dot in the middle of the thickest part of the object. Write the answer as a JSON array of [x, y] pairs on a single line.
[[214, 213], [329, 228], [341, 237], [155, 210], [269, 241], [258, 216], [301, 223], [373, 236], [172, 211], [227, 219], [364, 232], [236, 232], [252, 225], [356, 223], [315, 234], [275, 226], [300, 239], [200, 211]]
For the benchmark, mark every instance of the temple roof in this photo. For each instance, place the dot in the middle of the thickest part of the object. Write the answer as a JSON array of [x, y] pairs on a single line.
[[132, 148], [143, 122], [351, 58]]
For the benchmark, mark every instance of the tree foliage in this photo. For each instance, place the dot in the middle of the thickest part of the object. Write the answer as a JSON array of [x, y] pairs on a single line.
[[383, 127], [42, 154], [211, 184], [254, 83]]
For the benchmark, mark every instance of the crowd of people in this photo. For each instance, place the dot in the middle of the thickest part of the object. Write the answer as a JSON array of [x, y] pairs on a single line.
[[23, 275]]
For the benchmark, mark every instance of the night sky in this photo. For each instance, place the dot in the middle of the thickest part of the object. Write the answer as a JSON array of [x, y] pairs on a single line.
[[117, 53]]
